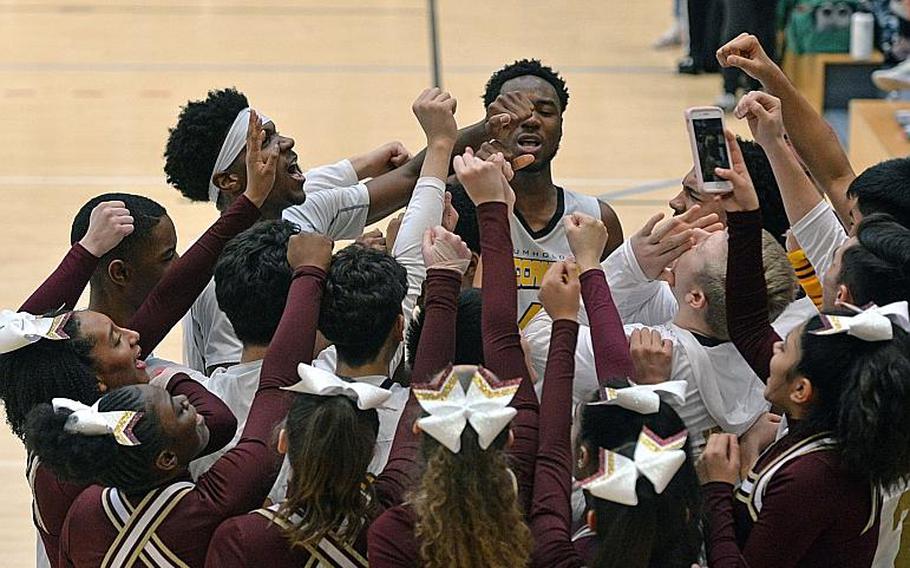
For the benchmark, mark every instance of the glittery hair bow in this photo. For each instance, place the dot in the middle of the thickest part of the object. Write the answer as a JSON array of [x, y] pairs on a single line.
[[322, 383], [655, 458], [643, 399], [485, 406], [89, 421], [870, 324], [18, 329]]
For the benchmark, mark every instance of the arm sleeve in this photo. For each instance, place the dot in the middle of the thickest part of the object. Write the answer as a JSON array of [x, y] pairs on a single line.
[[424, 212], [798, 505], [240, 480], [65, 284], [502, 341], [173, 296], [219, 419], [820, 233], [747, 298], [435, 351], [331, 176], [338, 214], [551, 511], [638, 300], [611, 348]]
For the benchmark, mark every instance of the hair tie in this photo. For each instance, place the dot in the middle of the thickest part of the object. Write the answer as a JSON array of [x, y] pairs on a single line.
[[485, 406], [656, 458], [870, 324], [234, 143], [322, 383], [89, 421], [643, 399], [18, 329]]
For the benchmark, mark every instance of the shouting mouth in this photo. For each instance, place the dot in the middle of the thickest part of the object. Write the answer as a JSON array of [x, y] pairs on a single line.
[[294, 171], [529, 143]]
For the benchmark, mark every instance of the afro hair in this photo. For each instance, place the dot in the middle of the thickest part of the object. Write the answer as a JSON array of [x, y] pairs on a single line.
[[521, 69], [193, 145]]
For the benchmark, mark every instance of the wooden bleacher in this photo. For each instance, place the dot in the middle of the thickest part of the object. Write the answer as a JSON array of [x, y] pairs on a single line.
[[875, 134]]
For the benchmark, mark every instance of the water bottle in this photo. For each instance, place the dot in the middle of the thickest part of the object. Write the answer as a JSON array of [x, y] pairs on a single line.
[[862, 35]]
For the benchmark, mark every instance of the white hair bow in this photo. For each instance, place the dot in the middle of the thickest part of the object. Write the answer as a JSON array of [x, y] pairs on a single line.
[[89, 421], [655, 458], [485, 406], [643, 399], [18, 329], [870, 324], [322, 383], [234, 142]]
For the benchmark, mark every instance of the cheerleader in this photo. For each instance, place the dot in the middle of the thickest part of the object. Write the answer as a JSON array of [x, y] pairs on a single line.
[[812, 498], [464, 510], [630, 449], [83, 354], [136, 442]]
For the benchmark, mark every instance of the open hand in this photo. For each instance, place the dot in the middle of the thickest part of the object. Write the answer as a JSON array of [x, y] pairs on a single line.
[[260, 162], [108, 224], [658, 243]]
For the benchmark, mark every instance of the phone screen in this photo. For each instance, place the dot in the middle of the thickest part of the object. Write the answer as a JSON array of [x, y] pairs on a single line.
[[712, 150]]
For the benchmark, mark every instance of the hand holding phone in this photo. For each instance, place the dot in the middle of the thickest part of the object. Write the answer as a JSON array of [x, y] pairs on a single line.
[[709, 147]]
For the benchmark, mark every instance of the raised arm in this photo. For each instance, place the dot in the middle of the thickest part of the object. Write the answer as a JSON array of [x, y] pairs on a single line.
[[813, 138], [109, 223], [435, 351], [241, 478], [486, 184], [587, 236], [746, 292], [435, 112], [188, 277], [763, 112], [551, 510]]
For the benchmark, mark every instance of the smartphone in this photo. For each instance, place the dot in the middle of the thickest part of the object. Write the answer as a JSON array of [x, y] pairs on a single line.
[[709, 147]]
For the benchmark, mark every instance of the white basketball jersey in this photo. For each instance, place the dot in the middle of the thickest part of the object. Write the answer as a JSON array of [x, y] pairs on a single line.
[[534, 252]]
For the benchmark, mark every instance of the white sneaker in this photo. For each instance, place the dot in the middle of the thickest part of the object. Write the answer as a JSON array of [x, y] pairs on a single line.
[[895, 79], [726, 101], [673, 37]]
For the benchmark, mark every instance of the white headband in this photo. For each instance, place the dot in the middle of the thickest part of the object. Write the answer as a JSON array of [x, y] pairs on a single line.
[[322, 383], [18, 329], [870, 324], [655, 458], [643, 399], [233, 143], [485, 406], [89, 421]]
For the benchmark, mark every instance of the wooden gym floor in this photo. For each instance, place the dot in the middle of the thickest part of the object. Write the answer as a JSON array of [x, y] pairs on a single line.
[[89, 88]]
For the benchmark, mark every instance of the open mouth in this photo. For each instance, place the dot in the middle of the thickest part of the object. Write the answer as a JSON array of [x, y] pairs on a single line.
[[529, 143], [294, 171]]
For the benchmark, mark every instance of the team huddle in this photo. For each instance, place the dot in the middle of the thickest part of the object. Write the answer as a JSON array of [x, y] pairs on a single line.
[[502, 379]]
